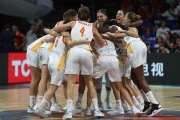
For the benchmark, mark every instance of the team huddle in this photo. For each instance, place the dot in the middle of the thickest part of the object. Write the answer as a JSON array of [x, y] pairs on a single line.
[[76, 47]]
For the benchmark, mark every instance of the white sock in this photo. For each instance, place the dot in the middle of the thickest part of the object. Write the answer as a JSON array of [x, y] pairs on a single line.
[[140, 100], [151, 97], [69, 106], [39, 99], [118, 104], [99, 97], [43, 104], [80, 96], [53, 100], [32, 101], [144, 96], [108, 94], [135, 101], [94, 101]]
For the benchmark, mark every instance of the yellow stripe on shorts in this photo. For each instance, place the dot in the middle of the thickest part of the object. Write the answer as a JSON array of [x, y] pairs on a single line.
[[68, 54], [129, 49], [51, 46], [36, 46], [62, 61]]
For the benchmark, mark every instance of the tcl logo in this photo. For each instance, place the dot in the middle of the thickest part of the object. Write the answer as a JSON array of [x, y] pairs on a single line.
[[18, 71]]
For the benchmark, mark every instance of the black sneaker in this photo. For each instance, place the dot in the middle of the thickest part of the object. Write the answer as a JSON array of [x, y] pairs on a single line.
[[147, 107], [156, 108]]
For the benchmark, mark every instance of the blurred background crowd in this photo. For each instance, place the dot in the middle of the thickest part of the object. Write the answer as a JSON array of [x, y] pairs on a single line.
[[160, 29]]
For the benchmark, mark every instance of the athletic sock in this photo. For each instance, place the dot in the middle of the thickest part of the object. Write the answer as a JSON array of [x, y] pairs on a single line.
[[118, 104], [69, 106], [145, 97], [32, 101], [95, 104], [53, 100], [39, 99], [80, 96], [99, 97], [151, 97], [43, 104], [140, 100], [135, 101]]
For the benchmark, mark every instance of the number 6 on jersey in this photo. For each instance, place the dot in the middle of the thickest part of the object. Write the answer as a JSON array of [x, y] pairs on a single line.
[[82, 31]]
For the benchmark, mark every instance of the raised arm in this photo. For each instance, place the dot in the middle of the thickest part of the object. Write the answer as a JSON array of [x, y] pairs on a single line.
[[117, 35], [131, 32], [71, 43], [135, 24], [64, 27], [98, 38], [116, 40]]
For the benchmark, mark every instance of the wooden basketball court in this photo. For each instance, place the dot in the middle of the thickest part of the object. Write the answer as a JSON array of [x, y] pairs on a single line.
[[14, 100]]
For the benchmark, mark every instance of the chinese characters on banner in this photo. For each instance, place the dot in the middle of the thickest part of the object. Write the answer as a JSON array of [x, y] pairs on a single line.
[[156, 69]]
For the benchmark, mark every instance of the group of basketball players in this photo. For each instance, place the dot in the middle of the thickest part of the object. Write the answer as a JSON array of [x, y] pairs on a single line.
[[76, 47]]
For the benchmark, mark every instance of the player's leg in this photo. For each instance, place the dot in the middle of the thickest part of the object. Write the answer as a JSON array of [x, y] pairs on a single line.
[[119, 109], [98, 86], [93, 95], [43, 82], [33, 88], [140, 80], [135, 91], [107, 99]]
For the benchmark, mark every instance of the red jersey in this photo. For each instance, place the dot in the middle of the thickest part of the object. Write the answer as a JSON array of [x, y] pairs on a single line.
[[19, 41]]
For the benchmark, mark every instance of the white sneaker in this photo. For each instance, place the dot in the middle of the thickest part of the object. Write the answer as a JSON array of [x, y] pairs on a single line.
[[47, 109], [100, 106], [87, 112], [117, 111], [98, 114], [30, 110], [67, 116], [108, 103], [127, 109], [76, 111], [139, 107], [136, 111], [55, 108], [78, 104], [40, 113], [65, 108], [35, 107]]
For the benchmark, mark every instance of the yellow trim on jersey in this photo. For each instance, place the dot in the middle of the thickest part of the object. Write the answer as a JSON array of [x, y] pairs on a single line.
[[62, 61], [51, 46], [68, 54], [36, 46]]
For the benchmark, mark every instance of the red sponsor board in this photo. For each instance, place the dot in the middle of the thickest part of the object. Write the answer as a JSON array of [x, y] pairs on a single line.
[[18, 70]]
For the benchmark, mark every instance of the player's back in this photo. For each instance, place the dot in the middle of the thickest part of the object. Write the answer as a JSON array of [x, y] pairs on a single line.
[[82, 30], [58, 51], [107, 50]]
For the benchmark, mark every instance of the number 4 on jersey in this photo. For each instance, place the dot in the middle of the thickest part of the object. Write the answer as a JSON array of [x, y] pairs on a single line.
[[82, 31]]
